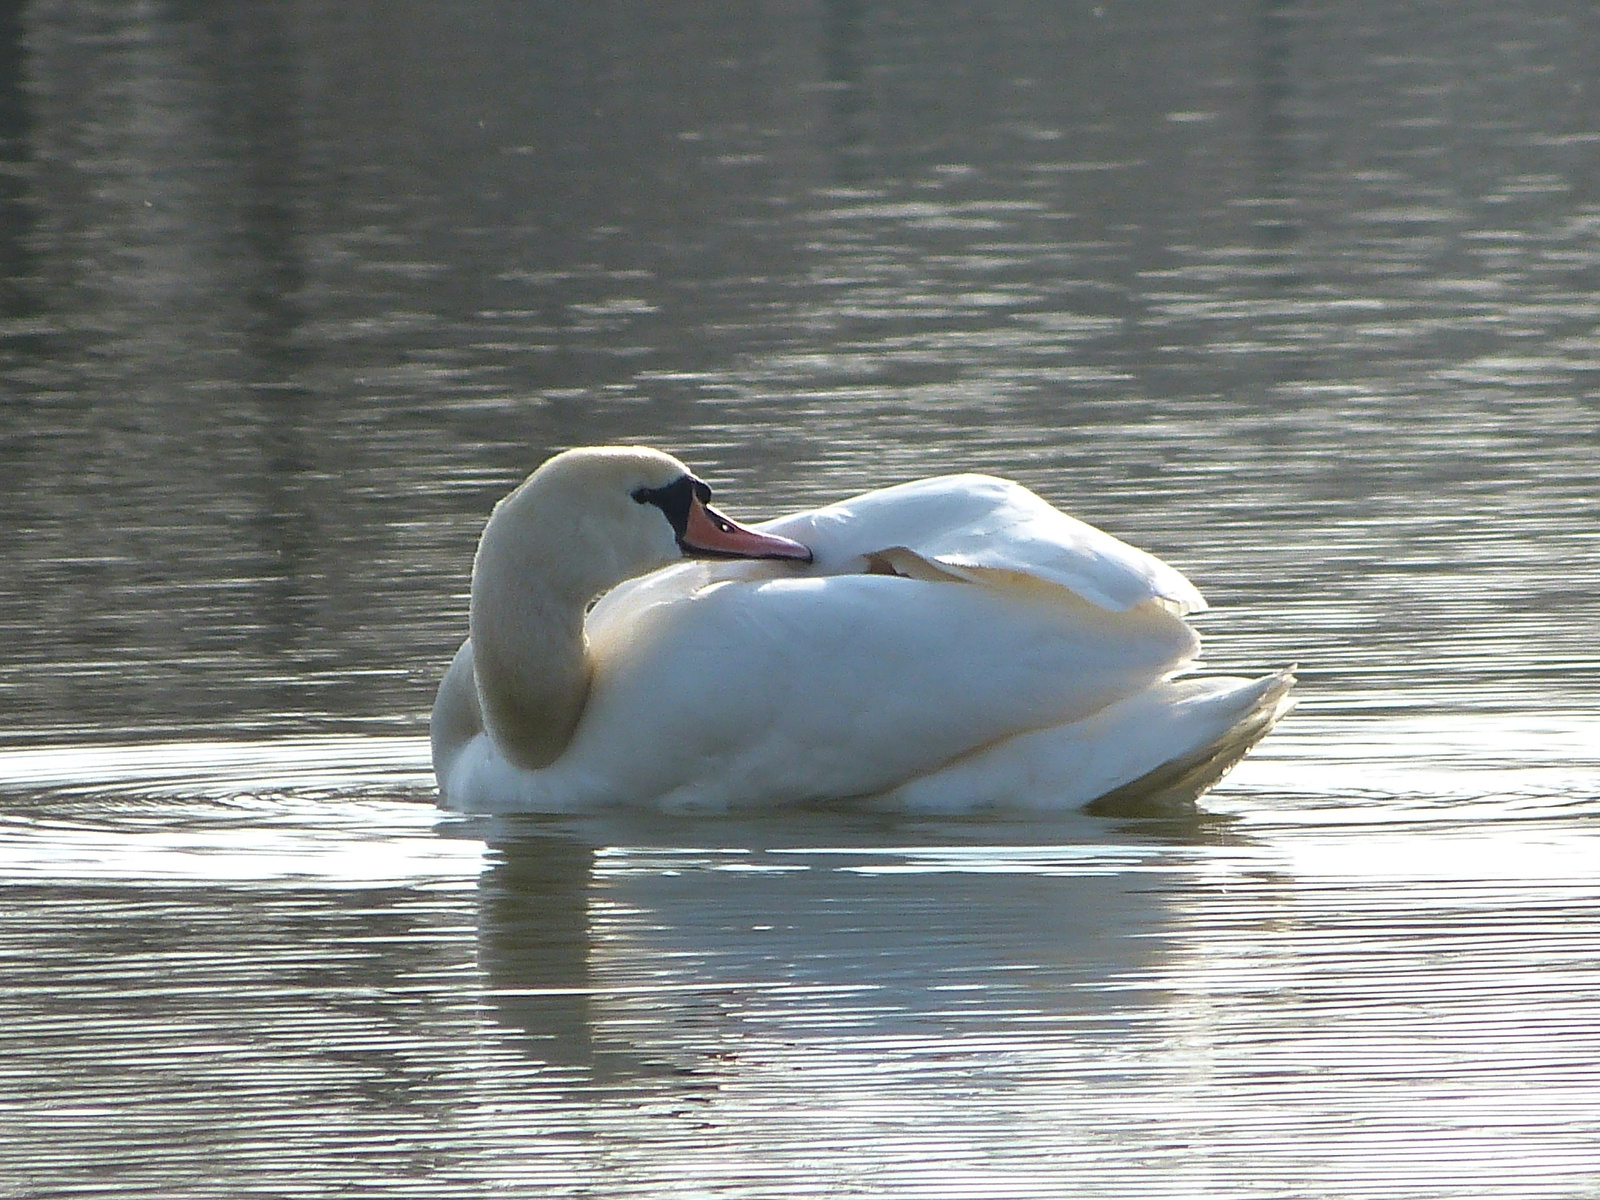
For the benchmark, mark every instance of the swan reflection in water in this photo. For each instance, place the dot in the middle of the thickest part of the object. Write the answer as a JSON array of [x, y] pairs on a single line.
[[842, 1000], [730, 947], [945, 646]]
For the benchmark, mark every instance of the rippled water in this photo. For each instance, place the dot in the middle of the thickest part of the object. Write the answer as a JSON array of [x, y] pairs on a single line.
[[263, 966], [1302, 297]]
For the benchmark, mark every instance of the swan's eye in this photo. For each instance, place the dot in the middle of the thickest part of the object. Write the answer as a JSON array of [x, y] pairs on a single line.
[[672, 499]]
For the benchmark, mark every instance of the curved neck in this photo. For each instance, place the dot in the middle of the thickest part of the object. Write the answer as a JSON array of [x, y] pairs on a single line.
[[530, 657]]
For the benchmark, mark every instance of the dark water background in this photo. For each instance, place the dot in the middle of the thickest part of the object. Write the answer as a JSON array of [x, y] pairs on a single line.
[[1304, 297]]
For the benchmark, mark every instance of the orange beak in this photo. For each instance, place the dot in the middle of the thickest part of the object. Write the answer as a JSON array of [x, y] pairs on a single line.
[[709, 534]]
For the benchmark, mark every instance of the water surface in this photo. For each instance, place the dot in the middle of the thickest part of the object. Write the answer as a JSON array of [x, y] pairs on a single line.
[[1300, 296]]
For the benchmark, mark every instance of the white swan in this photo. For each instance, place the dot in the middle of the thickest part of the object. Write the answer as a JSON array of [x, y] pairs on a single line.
[[944, 646]]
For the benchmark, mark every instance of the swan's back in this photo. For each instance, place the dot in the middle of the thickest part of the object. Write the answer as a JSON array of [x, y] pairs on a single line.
[[986, 530], [968, 528]]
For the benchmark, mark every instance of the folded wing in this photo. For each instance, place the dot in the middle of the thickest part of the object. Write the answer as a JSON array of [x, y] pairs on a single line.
[[985, 530]]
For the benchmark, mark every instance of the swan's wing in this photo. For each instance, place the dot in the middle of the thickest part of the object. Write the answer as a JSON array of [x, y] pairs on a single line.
[[976, 528], [984, 530], [819, 688]]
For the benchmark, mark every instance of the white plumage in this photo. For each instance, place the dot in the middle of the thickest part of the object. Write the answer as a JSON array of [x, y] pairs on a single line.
[[956, 644]]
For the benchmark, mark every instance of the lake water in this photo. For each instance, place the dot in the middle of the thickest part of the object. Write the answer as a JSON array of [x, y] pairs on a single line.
[[1303, 297]]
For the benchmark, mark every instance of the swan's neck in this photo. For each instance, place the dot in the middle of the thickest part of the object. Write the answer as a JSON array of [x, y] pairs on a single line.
[[529, 595]]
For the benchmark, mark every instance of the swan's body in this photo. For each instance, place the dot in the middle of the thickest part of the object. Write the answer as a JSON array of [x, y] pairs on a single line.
[[953, 644]]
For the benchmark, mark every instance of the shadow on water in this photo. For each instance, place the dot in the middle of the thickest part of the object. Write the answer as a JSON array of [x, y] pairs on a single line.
[[17, 282], [1277, 220], [846, 81]]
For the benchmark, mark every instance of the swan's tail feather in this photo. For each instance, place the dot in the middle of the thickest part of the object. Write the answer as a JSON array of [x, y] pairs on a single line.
[[1151, 754], [1172, 788]]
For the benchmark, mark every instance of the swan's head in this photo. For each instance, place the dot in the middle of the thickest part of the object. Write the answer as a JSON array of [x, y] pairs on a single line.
[[610, 513]]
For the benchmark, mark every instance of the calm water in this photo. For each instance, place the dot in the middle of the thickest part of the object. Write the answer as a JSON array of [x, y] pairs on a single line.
[[1304, 297]]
